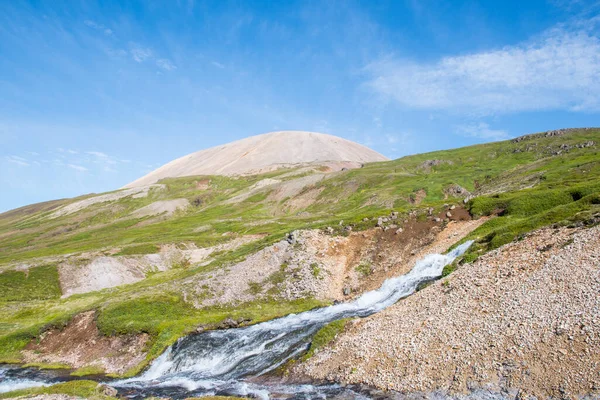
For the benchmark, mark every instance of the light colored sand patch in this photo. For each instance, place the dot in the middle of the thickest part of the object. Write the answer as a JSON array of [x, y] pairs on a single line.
[[104, 272], [202, 256], [254, 189], [279, 190], [137, 192], [293, 187], [303, 200], [167, 207], [263, 153]]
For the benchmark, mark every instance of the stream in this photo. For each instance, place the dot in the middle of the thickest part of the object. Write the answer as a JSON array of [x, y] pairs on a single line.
[[232, 362]]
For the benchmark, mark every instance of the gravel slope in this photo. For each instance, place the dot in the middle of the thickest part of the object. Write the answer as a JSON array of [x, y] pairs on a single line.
[[525, 317], [262, 153]]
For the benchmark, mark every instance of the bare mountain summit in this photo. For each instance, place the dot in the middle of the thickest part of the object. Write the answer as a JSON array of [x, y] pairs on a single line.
[[264, 153]]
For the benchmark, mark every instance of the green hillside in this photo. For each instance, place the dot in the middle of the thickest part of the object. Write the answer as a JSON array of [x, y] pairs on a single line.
[[525, 183]]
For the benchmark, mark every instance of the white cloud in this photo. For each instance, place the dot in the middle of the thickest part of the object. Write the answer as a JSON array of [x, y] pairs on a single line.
[[559, 70], [391, 138], [70, 151], [217, 64], [481, 130], [17, 160], [98, 154], [140, 54], [98, 27], [165, 64], [77, 167]]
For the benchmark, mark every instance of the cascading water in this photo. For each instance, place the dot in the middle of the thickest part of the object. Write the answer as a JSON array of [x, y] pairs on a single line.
[[222, 362]]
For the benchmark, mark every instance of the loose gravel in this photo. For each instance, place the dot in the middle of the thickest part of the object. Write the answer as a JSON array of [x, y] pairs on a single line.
[[525, 316]]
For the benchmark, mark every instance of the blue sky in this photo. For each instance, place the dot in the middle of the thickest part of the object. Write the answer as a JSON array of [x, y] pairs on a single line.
[[95, 94]]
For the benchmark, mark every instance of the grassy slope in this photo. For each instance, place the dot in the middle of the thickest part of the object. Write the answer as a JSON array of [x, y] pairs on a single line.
[[564, 187]]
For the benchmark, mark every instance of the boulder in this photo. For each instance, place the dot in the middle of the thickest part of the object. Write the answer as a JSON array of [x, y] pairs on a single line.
[[107, 390]]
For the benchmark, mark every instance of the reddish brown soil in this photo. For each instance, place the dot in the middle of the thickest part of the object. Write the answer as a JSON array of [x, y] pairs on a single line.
[[80, 344]]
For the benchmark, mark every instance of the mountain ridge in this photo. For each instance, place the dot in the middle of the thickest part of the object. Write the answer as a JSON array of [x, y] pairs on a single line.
[[265, 153]]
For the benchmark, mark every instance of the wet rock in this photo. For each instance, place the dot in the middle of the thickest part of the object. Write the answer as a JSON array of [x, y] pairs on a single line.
[[107, 390], [228, 323], [292, 237]]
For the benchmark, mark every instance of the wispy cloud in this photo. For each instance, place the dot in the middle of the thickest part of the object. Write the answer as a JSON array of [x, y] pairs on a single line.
[[481, 130], [559, 70], [69, 151], [391, 139], [140, 53], [217, 64], [99, 27], [77, 167], [165, 64], [102, 158], [17, 160]]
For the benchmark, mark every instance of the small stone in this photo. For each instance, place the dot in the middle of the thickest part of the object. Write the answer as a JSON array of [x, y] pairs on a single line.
[[449, 214], [452, 207], [399, 231], [107, 390]]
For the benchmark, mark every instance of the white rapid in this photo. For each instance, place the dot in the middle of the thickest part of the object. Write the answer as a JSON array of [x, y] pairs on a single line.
[[216, 362]]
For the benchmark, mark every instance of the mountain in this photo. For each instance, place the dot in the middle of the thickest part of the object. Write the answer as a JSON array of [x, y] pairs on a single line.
[[263, 153], [107, 282]]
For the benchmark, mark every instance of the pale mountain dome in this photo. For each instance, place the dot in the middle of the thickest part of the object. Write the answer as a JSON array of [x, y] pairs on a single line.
[[263, 153]]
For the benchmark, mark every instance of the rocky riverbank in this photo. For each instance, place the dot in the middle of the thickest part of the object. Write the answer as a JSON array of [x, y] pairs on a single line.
[[525, 317]]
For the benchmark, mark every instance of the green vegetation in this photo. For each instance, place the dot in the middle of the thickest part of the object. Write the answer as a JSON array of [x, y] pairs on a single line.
[[86, 371], [325, 335], [315, 269], [39, 283], [146, 248], [83, 389], [527, 210], [364, 268]]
